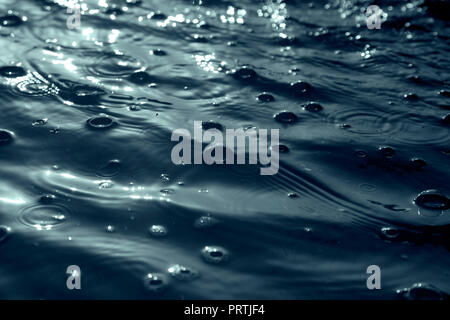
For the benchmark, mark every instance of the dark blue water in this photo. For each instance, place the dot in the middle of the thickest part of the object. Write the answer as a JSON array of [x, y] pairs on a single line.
[[87, 179]]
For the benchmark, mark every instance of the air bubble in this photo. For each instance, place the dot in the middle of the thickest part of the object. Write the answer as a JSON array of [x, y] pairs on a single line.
[[433, 200], [285, 117], [183, 273], [157, 231], [205, 222], [6, 137], [213, 254], [266, 97], [422, 291], [313, 107], [155, 282], [4, 233], [12, 71]]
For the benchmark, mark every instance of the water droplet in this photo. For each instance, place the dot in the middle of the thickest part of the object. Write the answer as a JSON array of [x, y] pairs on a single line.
[[82, 94], [204, 190], [285, 117], [433, 200], [157, 16], [110, 229], [155, 282], [6, 137], [10, 20], [299, 88], [390, 232], [313, 107], [205, 222], [446, 119], [47, 199], [4, 233], [101, 122], [105, 184], [411, 96], [245, 74], [387, 152], [158, 52], [444, 93], [40, 122], [422, 291], [166, 192], [140, 78], [157, 231], [292, 195], [417, 163], [182, 273], [165, 177], [214, 254], [12, 71], [266, 97]]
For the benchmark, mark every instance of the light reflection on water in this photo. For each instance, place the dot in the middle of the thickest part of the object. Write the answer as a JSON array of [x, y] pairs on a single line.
[[86, 175]]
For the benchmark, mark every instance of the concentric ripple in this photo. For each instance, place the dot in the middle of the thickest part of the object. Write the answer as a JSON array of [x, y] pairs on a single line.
[[44, 217], [114, 65]]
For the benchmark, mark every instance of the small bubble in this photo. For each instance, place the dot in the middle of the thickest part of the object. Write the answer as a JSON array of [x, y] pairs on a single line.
[[157, 231], [205, 222], [422, 291], [10, 20], [444, 93], [158, 52], [155, 282], [6, 137], [47, 199], [166, 192], [213, 254], [12, 71], [203, 190], [417, 163], [411, 96], [4, 233], [40, 122], [266, 97], [134, 107], [110, 229], [157, 16], [313, 107], [433, 200], [165, 177], [446, 119], [182, 273], [344, 126], [292, 195], [387, 152], [245, 73], [299, 88], [390, 232], [105, 184], [140, 78], [285, 117]]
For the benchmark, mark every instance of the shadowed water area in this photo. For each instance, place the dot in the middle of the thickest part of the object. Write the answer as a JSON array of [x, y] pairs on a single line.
[[86, 176]]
